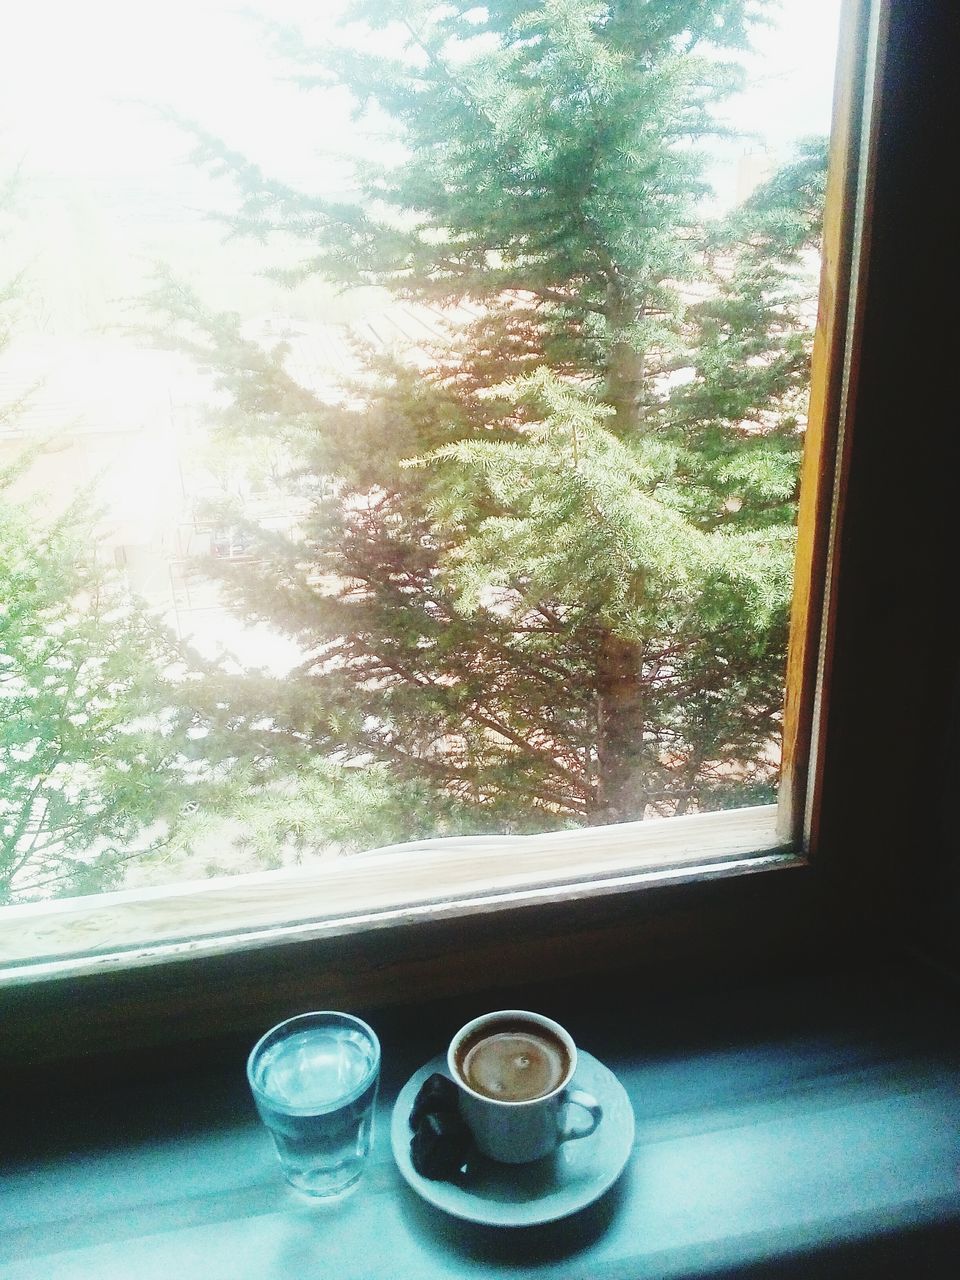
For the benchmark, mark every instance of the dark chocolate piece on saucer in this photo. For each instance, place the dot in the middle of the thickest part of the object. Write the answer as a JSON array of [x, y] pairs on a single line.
[[441, 1147], [437, 1094]]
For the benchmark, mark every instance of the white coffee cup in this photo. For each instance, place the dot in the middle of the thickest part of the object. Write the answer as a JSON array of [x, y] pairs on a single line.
[[512, 1129]]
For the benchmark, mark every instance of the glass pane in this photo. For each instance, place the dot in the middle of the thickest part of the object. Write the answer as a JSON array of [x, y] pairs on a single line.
[[401, 406]]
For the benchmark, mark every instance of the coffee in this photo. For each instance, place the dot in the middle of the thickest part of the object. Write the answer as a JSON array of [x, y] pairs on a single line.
[[513, 1061], [513, 1070]]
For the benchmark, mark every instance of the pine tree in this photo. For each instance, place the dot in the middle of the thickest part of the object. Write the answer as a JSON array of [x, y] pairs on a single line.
[[545, 580]]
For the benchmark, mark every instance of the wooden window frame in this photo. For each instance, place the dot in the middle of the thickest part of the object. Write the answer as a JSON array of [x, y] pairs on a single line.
[[821, 886]]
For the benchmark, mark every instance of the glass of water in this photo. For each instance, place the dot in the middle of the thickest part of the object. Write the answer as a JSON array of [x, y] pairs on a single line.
[[314, 1079]]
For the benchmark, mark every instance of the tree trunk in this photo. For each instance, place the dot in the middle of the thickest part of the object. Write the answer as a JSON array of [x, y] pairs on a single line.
[[622, 762], [620, 745], [625, 370]]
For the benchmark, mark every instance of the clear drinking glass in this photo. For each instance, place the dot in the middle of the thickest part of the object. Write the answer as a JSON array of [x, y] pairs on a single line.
[[314, 1079]]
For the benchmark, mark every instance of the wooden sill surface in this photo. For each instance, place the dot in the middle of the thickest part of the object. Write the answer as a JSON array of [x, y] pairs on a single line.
[[102, 932]]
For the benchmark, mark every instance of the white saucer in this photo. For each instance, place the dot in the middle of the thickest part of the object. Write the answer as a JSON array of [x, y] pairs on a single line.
[[504, 1195]]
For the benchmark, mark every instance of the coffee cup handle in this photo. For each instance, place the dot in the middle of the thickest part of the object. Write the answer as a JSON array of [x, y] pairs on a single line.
[[578, 1098]]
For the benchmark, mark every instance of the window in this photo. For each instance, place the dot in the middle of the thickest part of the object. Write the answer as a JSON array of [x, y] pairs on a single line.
[[296, 890]]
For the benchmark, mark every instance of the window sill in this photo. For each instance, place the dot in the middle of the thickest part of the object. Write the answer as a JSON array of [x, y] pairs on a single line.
[[785, 1130], [432, 880]]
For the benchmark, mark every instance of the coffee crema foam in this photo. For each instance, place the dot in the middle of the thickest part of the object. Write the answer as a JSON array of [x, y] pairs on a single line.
[[514, 1064]]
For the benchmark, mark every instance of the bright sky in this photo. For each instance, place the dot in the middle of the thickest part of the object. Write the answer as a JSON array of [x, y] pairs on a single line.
[[66, 64], [791, 73], [72, 75]]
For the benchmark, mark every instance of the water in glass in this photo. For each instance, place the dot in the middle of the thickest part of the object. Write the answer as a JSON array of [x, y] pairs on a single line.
[[314, 1080]]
